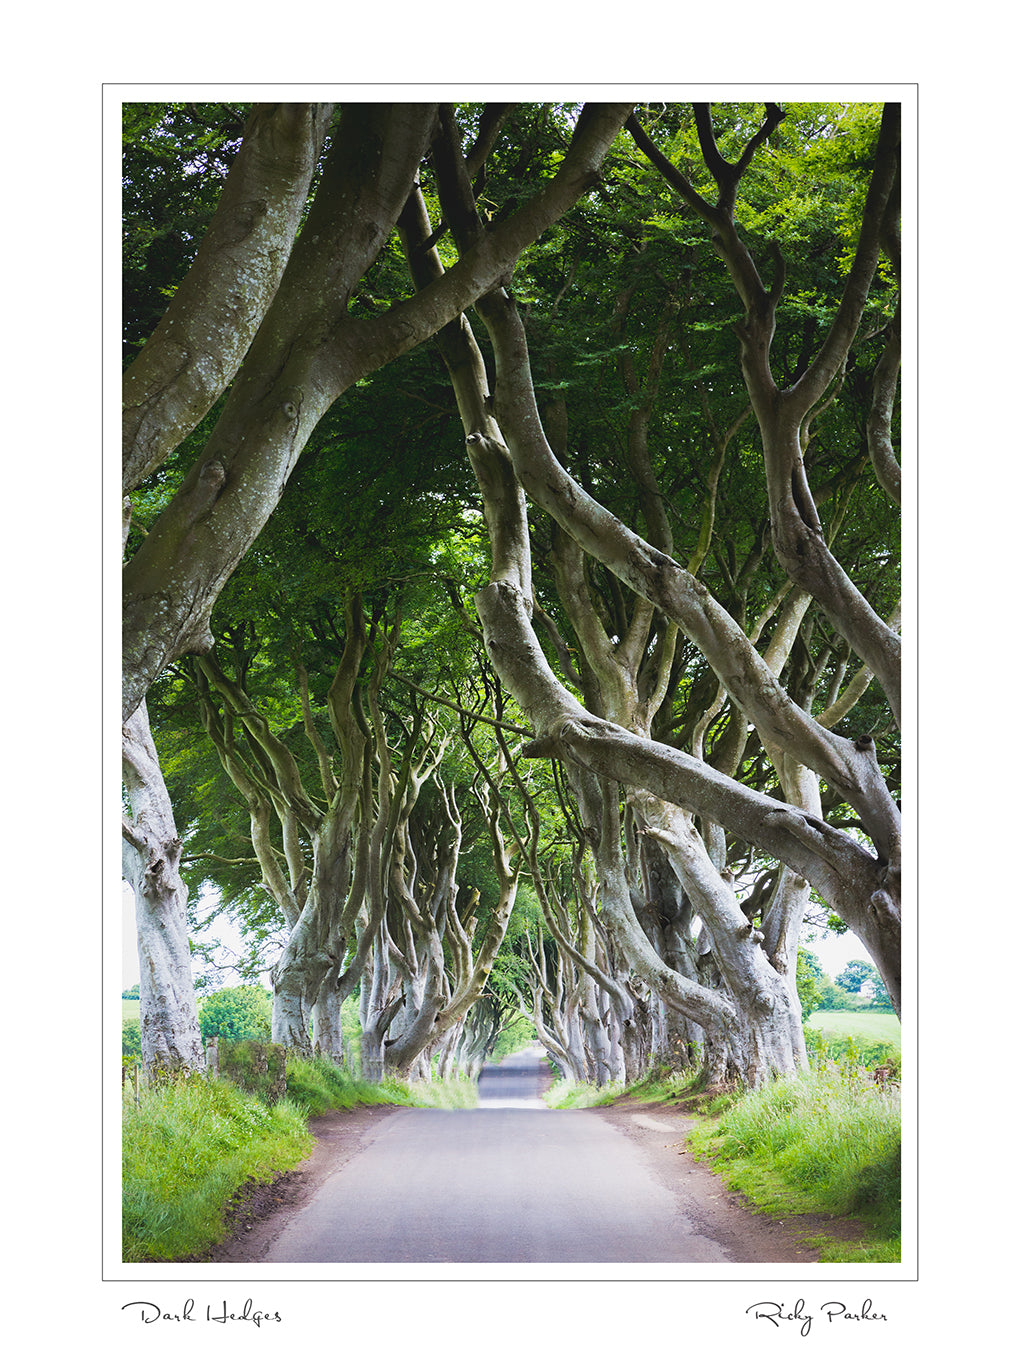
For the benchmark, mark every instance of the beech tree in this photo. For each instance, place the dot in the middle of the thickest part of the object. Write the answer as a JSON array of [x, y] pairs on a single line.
[[151, 855], [330, 840], [706, 656], [284, 303], [751, 1025], [431, 964], [355, 816], [303, 348]]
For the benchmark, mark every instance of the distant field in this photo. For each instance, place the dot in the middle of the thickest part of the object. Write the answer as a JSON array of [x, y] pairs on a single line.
[[877, 1028], [129, 1009]]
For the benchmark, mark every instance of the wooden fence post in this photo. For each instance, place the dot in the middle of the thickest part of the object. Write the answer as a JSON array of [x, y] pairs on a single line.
[[212, 1058]]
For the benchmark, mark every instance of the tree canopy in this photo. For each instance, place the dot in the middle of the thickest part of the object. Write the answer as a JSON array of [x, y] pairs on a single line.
[[512, 561]]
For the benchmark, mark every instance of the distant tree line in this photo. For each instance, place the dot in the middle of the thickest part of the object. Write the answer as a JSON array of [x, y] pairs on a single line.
[[818, 991]]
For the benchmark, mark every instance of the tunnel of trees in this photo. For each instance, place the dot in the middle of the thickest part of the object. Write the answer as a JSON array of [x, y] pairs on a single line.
[[511, 570]]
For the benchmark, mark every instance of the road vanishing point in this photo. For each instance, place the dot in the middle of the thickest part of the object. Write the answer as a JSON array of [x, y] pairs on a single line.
[[515, 1182]]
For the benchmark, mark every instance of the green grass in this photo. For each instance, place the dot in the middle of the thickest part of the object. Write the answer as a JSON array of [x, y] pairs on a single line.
[[657, 1087], [825, 1142], [566, 1094], [186, 1149], [191, 1144], [867, 1024], [318, 1085]]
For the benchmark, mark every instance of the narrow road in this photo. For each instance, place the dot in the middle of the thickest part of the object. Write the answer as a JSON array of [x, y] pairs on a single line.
[[513, 1181]]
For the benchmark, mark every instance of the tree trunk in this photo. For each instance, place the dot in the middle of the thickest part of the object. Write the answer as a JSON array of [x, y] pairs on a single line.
[[169, 1023], [297, 977], [328, 1039], [307, 973], [192, 356], [414, 1026], [307, 352], [767, 1037]]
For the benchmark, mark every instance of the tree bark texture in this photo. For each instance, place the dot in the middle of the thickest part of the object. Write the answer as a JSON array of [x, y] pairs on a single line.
[[655, 818], [169, 1022], [435, 960], [320, 893]]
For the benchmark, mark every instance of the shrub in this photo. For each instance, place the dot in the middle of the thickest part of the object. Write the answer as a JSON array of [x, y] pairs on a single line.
[[832, 997], [808, 978], [854, 1053], [131, 1040], [236, 1012]]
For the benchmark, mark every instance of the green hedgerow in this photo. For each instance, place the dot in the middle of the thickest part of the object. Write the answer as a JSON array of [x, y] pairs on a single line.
[[131, 1040]]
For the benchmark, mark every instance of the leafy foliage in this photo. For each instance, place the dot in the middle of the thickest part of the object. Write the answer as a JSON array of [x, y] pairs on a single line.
[[516, 1035], [236, 1012], [808, 976], [131, 1040], [628, 314], [858, 975]]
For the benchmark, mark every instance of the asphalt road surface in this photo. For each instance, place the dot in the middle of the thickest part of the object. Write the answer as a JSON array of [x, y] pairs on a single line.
[[511, 1181]]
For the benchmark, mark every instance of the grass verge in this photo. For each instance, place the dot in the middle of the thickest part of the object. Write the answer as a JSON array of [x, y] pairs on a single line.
[[186, 1148], [190, 1144], [318, 1085], [826, 1142], [658, 1087], [566, 1094]]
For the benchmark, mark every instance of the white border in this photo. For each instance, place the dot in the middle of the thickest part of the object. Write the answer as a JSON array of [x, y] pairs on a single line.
[[717, 1300]]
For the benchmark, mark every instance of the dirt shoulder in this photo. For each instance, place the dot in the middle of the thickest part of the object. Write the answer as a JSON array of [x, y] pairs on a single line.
[[259, 1212], [750, 1236]]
